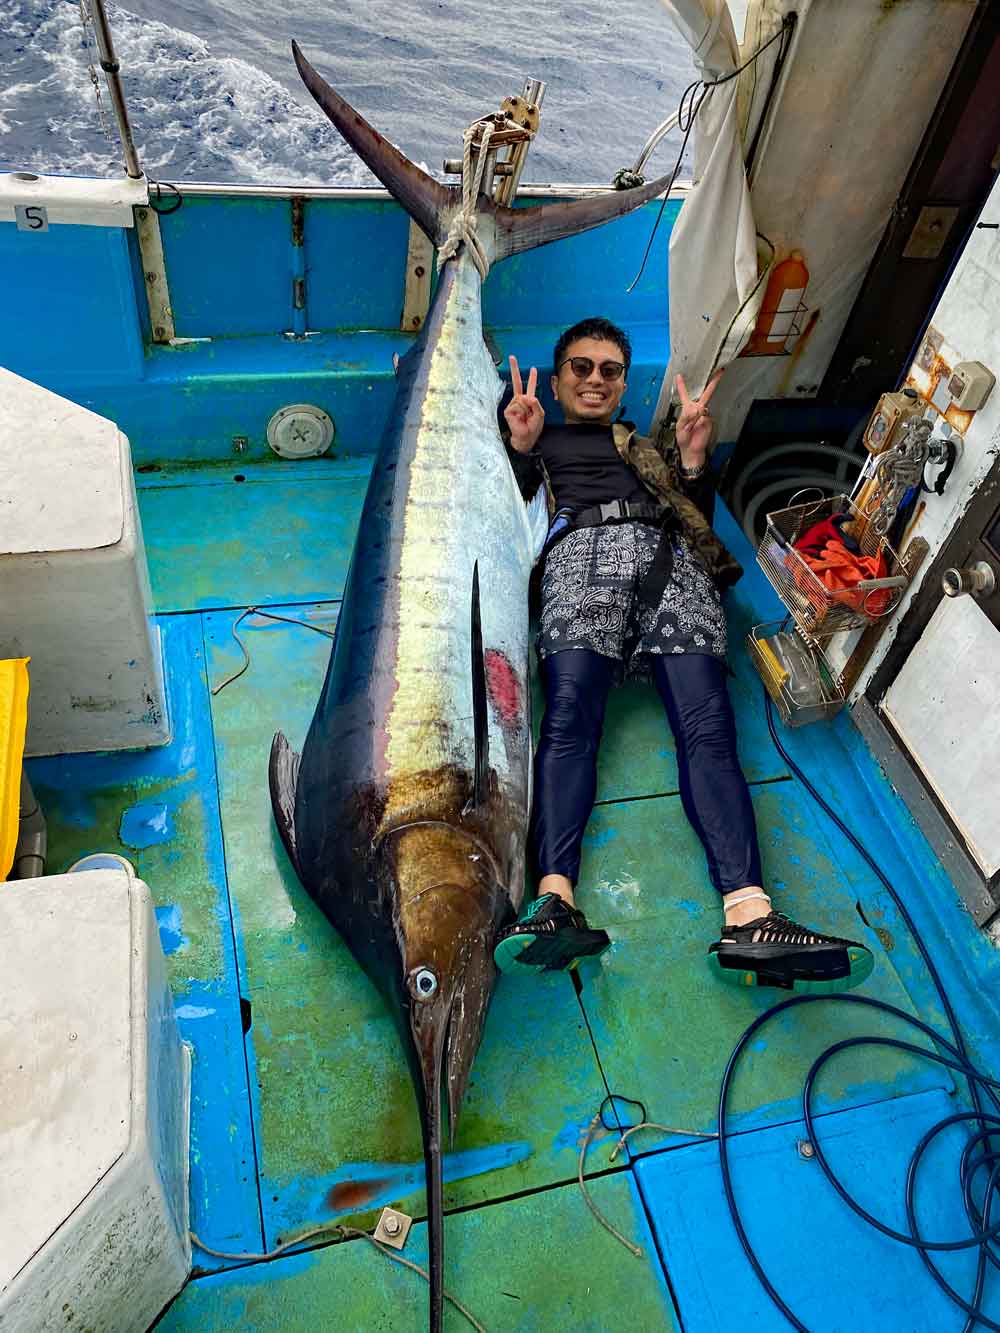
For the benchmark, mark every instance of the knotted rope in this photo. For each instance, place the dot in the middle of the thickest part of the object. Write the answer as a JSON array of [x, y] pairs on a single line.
[[464, 226]]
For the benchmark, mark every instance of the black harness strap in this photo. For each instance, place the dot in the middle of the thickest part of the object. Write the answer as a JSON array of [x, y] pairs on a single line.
[[624, 511]]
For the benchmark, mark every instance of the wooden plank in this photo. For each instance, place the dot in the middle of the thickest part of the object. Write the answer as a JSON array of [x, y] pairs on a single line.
[[154, 272], [417, 289]]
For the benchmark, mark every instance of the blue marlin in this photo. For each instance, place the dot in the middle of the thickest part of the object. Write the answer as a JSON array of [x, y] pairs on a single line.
[[406, 816]]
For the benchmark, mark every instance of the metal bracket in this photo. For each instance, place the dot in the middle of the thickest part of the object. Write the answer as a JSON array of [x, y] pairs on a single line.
[[417, 292], [154, 272], [930, 231], [393, 1228]]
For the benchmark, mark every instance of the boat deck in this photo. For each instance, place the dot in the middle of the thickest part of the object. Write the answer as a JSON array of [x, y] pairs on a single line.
[[302, 1107]]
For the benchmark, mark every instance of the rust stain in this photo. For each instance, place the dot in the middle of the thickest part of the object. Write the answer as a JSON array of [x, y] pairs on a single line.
[[928, 372], [885, 937], [353, 1195], [791, 365], [958, 419]]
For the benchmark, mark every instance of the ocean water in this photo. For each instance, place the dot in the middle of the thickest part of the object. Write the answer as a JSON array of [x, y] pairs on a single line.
[[213, 93]]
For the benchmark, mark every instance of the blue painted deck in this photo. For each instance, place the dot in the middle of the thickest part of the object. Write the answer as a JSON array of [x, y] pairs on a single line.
[[302, 1107]]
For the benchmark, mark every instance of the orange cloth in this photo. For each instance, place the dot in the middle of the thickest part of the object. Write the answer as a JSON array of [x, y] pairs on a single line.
[[840, 570]]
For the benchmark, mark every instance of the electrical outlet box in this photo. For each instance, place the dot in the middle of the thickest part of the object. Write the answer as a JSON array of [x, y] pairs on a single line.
[[970, 385], [889, 419]]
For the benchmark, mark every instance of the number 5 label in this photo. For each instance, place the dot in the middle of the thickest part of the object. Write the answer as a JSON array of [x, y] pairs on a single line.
[[31, 217]]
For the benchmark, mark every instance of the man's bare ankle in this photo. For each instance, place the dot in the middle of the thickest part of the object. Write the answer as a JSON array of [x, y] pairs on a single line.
[[560, 885], [745, 905]]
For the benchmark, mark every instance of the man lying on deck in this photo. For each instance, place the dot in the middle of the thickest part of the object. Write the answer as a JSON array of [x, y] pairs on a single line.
[[631, 585]]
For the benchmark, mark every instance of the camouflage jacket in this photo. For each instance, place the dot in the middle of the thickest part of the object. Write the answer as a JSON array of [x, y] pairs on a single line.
[[656, 463]]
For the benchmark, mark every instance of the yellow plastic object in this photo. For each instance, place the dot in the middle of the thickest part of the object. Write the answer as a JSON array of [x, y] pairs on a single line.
[[778, 673], [13, 721]]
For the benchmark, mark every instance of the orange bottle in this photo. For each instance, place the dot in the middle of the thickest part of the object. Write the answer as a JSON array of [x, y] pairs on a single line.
[[785, 289]]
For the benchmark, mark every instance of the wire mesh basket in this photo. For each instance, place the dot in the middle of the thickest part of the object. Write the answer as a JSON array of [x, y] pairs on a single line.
[[796, 674], [817, 610]]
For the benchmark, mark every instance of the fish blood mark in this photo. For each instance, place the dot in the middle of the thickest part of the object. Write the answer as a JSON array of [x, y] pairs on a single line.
[[354, 1194], [504, 686]]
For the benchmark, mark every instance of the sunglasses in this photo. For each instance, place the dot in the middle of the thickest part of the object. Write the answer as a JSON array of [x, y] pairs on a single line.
[[582, 366]]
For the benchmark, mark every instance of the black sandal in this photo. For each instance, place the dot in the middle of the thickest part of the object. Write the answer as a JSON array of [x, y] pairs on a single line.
[[776, 951], [549, 936]]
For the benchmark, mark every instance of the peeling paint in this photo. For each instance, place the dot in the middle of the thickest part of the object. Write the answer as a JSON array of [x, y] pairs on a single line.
[[146, 826], [168, 919]]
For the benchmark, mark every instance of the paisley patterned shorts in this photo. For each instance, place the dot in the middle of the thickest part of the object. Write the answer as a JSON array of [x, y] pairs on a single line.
[[590, 598]]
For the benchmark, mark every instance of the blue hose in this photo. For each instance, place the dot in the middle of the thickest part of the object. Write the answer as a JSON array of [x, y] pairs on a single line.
[[979, 1154]]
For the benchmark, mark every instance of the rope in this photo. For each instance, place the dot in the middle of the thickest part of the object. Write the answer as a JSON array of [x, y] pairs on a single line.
[[465, 224], [344, 1233], [598, 1123], [268, 615]]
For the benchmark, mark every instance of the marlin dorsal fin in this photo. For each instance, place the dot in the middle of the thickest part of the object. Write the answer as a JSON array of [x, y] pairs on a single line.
[[480, 722]]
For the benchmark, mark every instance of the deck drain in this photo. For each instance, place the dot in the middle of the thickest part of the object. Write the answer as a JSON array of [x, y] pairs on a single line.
[[300, 431]]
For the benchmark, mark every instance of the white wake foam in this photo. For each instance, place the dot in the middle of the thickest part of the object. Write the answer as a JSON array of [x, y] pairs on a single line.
[[194, 114]]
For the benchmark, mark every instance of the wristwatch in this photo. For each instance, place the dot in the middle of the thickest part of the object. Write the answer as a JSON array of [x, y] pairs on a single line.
[[691, 473]]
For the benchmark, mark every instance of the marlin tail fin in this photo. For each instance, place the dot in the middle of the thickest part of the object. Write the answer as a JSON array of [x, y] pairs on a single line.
[[432, 205]]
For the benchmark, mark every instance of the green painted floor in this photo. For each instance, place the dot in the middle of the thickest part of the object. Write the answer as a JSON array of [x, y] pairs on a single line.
[[528, 1265], [302, 1108]]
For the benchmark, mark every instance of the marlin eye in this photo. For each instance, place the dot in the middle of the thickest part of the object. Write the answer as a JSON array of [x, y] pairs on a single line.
[[425, 983]]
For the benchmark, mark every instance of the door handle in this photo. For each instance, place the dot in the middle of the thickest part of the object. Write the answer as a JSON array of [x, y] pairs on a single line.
[[977, 579]]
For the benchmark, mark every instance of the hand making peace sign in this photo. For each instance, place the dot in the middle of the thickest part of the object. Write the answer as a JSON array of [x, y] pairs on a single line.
[[524, 413], [694, 425]]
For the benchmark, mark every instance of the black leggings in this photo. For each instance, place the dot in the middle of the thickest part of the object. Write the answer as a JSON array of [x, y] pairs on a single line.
[[714, 791]]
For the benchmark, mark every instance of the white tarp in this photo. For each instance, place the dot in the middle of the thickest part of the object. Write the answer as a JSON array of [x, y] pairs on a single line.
[[716, 284]]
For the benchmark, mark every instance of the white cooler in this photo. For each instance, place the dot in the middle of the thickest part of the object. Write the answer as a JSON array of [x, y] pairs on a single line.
[[94, 1109], [74, 587]]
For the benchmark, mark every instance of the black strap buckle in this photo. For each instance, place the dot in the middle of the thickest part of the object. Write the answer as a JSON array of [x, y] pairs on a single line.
[[613, 509]]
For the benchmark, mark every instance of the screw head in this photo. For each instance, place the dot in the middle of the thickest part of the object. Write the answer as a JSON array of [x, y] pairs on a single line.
[[392, 1226], [806, 1149]]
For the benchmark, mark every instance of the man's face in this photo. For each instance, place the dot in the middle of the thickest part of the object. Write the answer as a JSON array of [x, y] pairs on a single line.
[[590, 397]]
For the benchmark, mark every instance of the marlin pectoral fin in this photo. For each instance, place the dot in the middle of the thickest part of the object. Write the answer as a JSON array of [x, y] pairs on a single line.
[[480, 721], [429, 203], [538, 522], [283, 776]]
